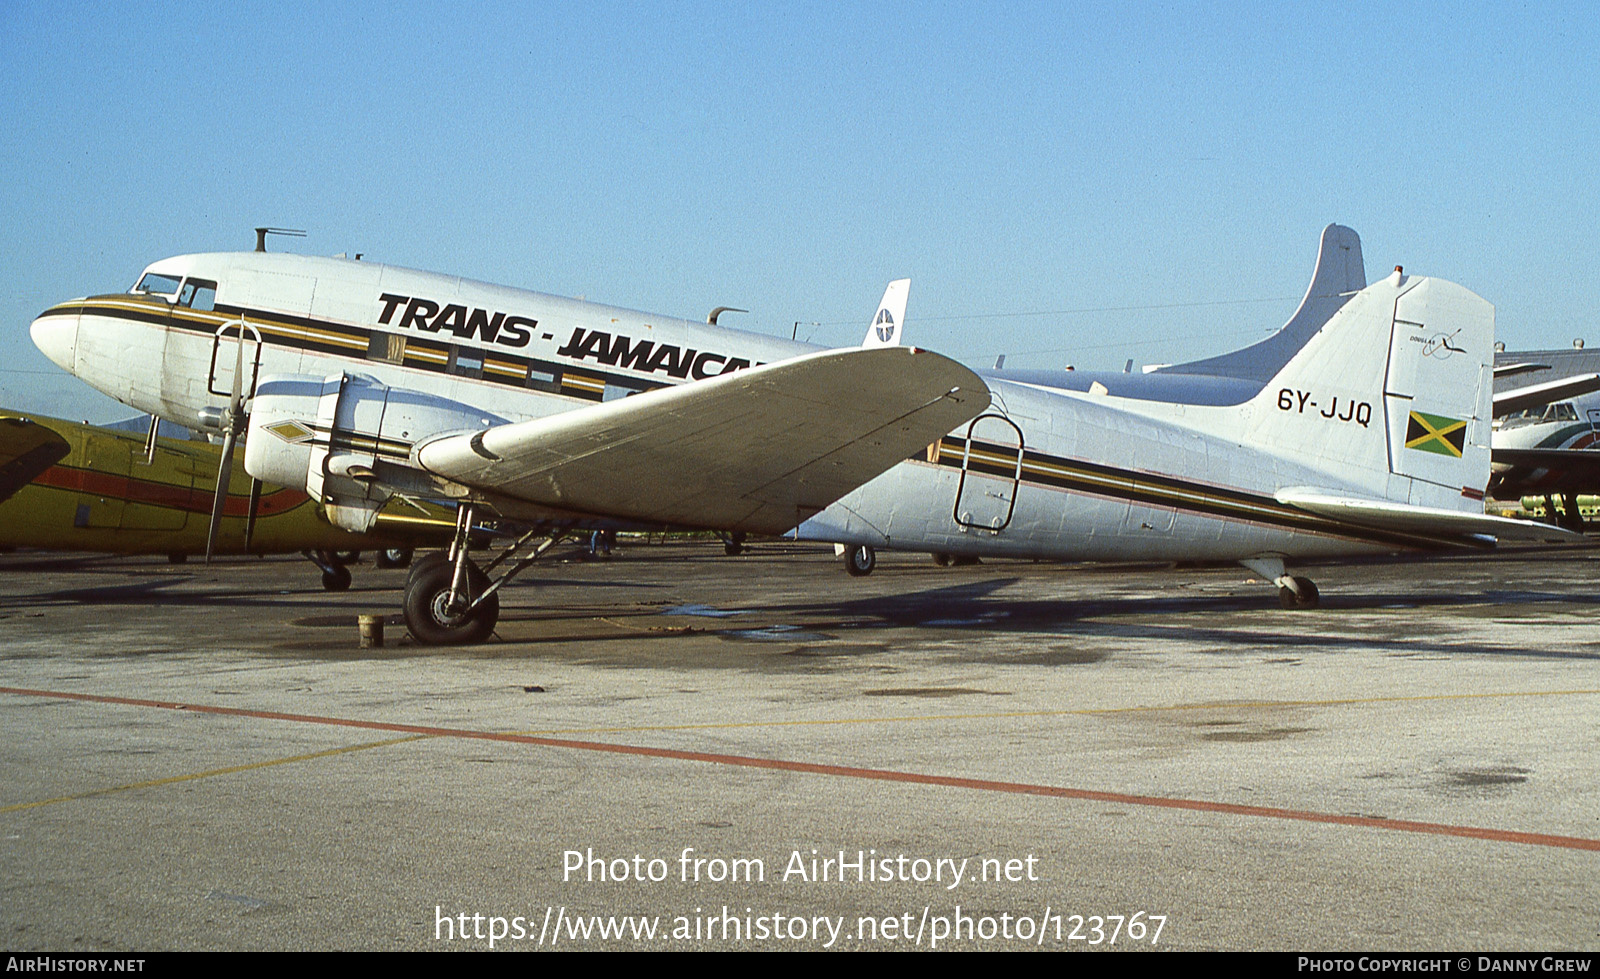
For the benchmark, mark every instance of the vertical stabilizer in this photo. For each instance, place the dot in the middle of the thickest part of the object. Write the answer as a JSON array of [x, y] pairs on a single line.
[[1392, 396], [890, 317], [1340, 274]]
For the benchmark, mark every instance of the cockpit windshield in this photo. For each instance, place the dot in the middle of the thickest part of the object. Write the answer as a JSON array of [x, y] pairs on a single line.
[[1564, 411], [193, 293], [156, 284]]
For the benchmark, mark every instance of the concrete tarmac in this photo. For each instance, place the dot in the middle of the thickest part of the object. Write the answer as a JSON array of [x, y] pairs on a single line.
[[1012, 755]]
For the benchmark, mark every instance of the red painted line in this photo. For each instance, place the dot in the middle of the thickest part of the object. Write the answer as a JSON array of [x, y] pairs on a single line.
[[189, 498], [872, 774]]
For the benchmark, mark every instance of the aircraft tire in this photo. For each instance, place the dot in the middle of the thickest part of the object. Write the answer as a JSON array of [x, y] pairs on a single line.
[[1307, 597], [392, 557], [423, 563], [424, 607], [336, 580], [860, 560], [941, 559]]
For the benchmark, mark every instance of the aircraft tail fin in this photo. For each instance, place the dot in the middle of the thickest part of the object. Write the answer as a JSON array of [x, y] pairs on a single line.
[[1341, 273], [890, 317], [1391, 398]]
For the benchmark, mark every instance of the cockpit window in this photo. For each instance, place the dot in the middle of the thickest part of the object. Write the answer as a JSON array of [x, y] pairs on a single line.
[[155, 284], [198, 294]]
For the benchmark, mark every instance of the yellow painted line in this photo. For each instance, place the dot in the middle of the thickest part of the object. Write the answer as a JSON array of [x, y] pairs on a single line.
[[1084, 711], [212, 773]]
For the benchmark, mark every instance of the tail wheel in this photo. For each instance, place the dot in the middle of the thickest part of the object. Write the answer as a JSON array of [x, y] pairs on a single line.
[[429, 613], [860, 561], [1305, 597]]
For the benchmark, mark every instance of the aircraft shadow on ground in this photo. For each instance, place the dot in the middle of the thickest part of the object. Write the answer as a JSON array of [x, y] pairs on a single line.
[[976, 606]]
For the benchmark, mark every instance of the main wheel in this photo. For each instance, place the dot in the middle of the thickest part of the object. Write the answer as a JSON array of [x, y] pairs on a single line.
[[941, 559], [429, 615], [337, 579], [393, 557], [860, 560], [423, 563]]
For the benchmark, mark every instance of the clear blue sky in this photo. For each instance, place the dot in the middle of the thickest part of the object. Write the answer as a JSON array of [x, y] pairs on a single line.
[[1169, 165]]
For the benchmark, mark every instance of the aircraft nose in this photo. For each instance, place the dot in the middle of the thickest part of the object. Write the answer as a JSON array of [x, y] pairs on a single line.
[[56, 336]]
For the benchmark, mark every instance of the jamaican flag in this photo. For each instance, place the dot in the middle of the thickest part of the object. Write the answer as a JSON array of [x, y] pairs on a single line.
[[1436, 433]]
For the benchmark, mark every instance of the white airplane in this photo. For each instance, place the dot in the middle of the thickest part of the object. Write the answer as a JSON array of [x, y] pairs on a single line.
[[362, 382], [1361, 428], [1550, 448]]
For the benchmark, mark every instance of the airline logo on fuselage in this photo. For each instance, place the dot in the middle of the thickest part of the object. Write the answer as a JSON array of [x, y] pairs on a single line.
[[648, 356], [465, 322]]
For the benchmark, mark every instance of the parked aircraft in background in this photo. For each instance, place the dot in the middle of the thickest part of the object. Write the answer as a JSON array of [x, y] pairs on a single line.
[[361, 383], [66, 486], [1551, 451]]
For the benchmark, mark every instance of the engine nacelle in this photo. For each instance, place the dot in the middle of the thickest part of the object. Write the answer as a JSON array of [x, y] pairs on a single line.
[[347, 439]]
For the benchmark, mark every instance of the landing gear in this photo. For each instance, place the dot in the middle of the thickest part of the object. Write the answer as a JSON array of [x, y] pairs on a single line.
[[942, 560], [860, 560], [393, 557], [438, 614], [450, 601], [1302, 593], [733, 544], [335, 576], [1293, 592]]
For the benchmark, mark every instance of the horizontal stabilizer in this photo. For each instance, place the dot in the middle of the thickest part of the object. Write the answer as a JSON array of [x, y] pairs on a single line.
[[1389, 515], [757, 450], [1542, 394], [1512, 370]]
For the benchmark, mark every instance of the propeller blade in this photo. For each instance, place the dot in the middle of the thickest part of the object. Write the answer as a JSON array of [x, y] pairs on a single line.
[[220, 500], [235, 423], [250, 518]]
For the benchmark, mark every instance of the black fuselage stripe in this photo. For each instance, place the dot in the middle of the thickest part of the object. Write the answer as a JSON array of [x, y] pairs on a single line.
[[1164, 491]]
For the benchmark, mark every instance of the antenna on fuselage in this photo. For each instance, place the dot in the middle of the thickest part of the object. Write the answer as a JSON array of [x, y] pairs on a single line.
[[261, 235], [712, 316]]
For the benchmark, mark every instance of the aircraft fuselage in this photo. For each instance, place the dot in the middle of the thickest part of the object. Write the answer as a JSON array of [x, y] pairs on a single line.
[[1044, 472]]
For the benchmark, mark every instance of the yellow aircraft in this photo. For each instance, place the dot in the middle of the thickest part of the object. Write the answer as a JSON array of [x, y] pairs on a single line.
[[67, 486]]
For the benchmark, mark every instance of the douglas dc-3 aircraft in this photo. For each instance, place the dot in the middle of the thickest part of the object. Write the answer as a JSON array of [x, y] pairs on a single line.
[[1366, 430], [66, 486], [361, 382]]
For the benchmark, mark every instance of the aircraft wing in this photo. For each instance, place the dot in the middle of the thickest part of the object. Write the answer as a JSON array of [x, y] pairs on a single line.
[[1523, 471], [1389, 515], [1539, 394], [757, 450], [26, 450]]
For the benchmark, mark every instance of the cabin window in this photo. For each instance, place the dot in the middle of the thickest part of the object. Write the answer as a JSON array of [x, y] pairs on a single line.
[[466, 361], [155, 284], [198, 294], [544, 380], [389, 348]]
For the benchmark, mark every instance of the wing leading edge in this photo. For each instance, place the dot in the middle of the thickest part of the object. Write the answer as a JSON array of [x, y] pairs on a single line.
[[759, 450]]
